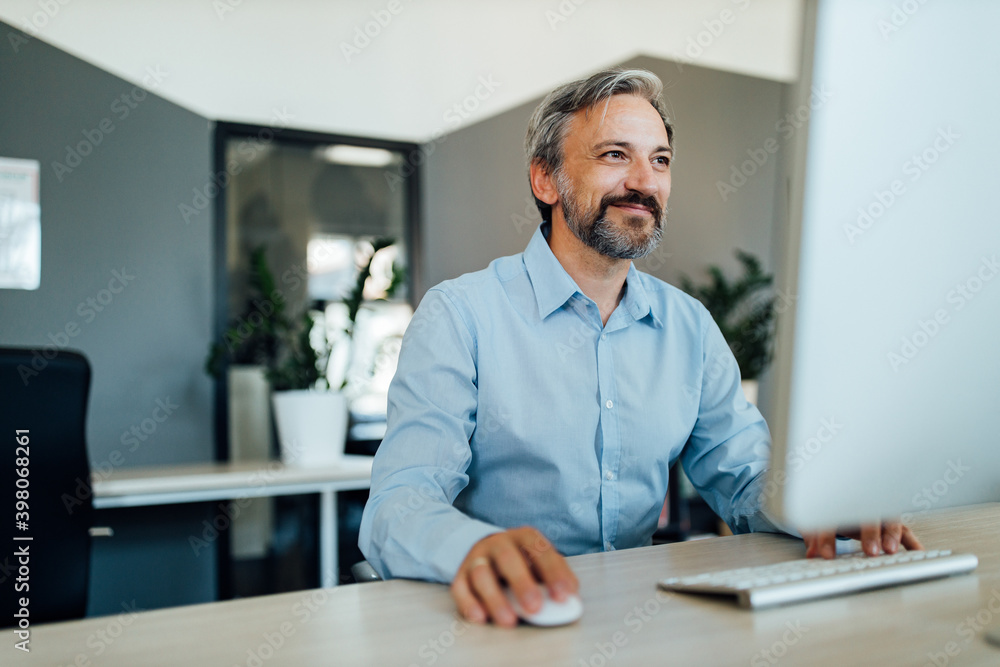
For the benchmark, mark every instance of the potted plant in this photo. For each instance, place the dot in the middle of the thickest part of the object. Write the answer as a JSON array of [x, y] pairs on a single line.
[[310, 416], [252, 338], [744, 311], [311, 420]]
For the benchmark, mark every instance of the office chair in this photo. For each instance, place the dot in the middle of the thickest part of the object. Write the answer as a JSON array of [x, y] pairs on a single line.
[[43, 402]]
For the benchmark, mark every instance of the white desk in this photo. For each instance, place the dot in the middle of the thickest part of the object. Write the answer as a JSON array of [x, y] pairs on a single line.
[[207, 482], [413, 623]]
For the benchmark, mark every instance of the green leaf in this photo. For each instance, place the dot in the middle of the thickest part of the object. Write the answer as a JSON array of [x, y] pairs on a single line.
[[263, 333]]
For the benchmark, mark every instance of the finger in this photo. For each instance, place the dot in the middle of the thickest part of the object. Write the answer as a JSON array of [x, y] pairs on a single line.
[[810, 541], [550, 567], [820, 545], [910, 541], [467, 603], [891, 534], [511, 564], [871, 539], [487, 588]]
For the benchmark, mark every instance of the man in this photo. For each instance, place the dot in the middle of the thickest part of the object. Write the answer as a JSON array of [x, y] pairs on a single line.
[[539, 403]]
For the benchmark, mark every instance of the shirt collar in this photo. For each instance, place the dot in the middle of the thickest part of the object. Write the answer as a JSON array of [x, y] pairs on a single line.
[[553, 287], [636, 300]]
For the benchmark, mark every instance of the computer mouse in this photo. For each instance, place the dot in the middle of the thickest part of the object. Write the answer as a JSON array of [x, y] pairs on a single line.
[[552, 613]]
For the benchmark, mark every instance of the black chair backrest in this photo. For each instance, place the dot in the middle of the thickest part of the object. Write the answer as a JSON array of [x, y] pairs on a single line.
[[43, 411]]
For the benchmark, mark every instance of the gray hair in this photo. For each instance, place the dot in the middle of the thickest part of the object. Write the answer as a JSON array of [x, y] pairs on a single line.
[[550, 120]]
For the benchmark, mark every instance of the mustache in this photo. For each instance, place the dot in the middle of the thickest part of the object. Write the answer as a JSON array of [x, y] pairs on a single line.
[[632, 199]]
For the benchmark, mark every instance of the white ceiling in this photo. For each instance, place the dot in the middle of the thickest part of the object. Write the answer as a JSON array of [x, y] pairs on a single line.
[[250, 60]]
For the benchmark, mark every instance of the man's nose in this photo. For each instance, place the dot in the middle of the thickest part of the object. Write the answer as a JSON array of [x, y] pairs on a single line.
[[642, 178]]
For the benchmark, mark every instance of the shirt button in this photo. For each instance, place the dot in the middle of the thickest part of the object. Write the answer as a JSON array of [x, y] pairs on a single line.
[[604, 336], [609, 475], [610, 404]]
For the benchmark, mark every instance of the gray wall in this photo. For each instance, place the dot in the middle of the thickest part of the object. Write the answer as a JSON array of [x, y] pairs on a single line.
[[478, 205], [118, 210]]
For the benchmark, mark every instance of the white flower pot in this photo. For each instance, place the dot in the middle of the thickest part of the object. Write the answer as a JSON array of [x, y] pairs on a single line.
[[312, 426]]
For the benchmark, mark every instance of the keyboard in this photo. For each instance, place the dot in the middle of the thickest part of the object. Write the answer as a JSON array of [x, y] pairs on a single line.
[[811, 578]]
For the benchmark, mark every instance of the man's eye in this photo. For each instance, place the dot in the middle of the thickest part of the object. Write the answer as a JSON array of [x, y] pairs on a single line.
[[663, 159], [614, 154]]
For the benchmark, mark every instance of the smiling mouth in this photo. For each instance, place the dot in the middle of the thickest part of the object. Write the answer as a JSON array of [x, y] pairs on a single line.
[[634, 209]]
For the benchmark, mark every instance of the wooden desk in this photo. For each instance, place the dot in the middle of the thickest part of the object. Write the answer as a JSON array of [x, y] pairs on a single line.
[[413, 623], [206, 482]]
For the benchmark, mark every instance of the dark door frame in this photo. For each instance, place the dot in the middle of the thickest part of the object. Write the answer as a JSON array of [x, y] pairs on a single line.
[[411, 174]]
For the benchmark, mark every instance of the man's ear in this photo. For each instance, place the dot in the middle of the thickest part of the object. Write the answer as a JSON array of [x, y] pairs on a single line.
[[543, 182]]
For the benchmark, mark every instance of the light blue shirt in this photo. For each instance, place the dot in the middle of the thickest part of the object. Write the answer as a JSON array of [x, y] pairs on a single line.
[[512, 405]]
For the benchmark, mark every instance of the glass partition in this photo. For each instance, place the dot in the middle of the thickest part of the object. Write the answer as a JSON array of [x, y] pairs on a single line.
[[316, 206]]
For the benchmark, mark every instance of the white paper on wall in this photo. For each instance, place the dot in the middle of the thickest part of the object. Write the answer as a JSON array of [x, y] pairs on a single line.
[[20, 225]]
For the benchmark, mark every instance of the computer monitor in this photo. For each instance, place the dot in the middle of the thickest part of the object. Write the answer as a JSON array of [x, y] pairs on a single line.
[[887, 373]]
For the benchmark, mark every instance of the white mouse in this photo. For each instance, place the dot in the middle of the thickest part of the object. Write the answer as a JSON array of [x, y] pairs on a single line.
[[552, 613]]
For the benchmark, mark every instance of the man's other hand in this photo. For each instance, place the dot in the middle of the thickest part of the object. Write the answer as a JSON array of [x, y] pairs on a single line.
[[520, 558], [875, 539]]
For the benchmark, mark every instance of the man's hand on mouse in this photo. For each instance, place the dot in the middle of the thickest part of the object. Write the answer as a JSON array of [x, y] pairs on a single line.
[[521, 559], [875, 538]]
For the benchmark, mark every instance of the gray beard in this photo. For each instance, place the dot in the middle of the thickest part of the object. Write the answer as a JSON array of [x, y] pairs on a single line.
[[602, 234]]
